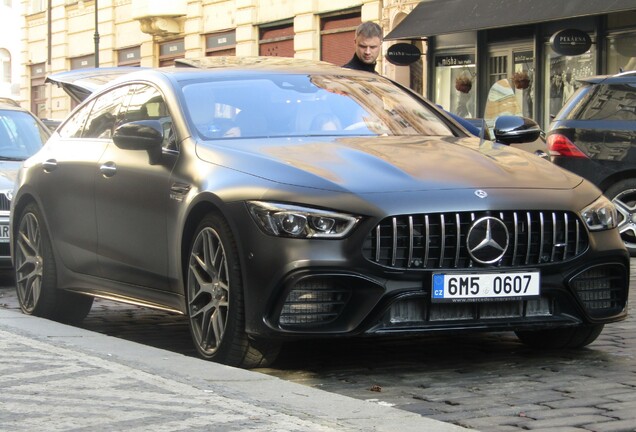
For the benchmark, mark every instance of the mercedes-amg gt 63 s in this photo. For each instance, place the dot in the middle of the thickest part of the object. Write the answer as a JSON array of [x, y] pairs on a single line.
[[272, 199]]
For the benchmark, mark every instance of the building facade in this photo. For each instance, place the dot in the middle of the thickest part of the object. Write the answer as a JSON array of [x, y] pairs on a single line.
[[10, 51], [478, 58], [486, 58], [61, 35]]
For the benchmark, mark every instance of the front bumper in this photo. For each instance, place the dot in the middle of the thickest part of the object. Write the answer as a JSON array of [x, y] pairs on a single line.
[[326, 288]]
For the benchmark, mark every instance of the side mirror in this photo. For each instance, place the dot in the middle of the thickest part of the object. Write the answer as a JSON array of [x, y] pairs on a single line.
[[139, 135], [516, 130]]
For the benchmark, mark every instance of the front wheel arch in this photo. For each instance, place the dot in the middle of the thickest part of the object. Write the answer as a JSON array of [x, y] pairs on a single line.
[[214, 294]]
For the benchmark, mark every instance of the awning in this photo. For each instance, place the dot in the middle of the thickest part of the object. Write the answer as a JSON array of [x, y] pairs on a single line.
[[438, 17]]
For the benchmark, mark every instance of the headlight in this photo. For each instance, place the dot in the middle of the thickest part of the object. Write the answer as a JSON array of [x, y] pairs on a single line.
[[284, 220], [600, 215]]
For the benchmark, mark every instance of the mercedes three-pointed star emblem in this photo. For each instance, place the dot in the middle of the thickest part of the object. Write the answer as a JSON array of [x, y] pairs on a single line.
[[487, 240]]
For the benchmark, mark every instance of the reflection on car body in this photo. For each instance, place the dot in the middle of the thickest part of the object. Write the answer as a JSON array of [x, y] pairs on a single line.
[[391, 221]]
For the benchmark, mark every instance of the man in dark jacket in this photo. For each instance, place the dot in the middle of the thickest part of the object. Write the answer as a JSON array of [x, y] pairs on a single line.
[[368, 43]]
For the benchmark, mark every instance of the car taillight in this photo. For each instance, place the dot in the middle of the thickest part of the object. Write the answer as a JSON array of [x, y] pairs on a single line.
[[560, 145]]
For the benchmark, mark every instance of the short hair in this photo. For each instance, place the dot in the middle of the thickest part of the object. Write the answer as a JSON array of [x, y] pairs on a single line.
[[368, 30]]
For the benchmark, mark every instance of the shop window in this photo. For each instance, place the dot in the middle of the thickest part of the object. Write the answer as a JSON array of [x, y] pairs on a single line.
[[621, 53], [38, 90], [87, 61], [221, 44], [277, 41], [170, 51], [337, 34], [562, 73], [523, 81], [129, 56], [35, 6], [455, 85], [5, 61]]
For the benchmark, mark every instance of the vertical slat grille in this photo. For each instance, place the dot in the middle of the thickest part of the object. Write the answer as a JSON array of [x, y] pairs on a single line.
[[5, 204], [428, 241]]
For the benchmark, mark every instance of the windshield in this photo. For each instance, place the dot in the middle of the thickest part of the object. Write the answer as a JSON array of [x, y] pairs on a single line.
[[307, 105], [20, 135]]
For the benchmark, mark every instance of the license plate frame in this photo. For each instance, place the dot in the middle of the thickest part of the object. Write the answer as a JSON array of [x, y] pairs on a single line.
[[4, 232], [473, 287]]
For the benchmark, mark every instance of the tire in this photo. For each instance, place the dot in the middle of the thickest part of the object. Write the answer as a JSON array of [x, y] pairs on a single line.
[[36, 274], [561, 338], [623, 195], [214, 293]]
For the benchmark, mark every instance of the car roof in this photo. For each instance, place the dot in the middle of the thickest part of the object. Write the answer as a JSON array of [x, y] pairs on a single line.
[[628, 77], [10, 104], [9, 101], [81, 83]]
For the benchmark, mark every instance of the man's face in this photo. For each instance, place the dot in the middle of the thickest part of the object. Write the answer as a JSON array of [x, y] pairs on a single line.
[[368, 49]]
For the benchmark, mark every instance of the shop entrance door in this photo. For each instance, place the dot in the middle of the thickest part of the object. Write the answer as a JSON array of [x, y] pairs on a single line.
[[510, 80]]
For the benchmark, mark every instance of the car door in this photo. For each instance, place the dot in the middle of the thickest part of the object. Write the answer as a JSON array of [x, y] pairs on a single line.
[[131, 199], [69, 168]]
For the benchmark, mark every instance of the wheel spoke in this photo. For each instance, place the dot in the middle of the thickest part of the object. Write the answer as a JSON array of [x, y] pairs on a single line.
[[626, 208], [208, 290], [29, 269]]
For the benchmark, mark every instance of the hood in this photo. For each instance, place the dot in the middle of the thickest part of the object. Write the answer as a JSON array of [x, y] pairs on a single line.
[[388, 164], [81, 83]]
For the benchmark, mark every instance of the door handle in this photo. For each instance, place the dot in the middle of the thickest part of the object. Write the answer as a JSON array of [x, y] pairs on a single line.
[[49, 165], [108, 169]]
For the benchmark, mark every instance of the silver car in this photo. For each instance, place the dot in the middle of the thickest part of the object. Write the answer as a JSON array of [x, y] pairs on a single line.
[[21, 135]]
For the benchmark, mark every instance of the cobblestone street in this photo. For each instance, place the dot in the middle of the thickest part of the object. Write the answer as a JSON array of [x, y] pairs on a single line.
[[487, 382]]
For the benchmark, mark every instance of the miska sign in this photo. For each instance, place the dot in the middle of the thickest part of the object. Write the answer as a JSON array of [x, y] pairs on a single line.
[[403, 54], [570, 42]]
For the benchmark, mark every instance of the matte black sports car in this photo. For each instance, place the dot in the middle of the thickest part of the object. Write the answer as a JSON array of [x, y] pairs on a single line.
[[273, 199]]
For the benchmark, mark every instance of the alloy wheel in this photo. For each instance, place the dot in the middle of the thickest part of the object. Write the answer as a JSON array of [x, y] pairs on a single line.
[[625, 203], [29, 262], [208, 291]]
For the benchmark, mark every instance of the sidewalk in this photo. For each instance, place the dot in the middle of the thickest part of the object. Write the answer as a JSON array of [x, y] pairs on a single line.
[[55, 377]]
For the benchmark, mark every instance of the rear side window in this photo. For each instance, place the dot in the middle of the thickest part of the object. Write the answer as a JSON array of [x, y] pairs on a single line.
[[72, 128], [147, 103], [607, 102], [103, 118]]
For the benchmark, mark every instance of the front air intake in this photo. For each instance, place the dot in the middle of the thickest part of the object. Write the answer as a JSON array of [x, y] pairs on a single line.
[[601, 289], [313, 302]]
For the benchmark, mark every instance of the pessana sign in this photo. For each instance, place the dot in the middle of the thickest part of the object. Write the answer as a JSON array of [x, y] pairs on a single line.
[[403, 54], [570, 42]]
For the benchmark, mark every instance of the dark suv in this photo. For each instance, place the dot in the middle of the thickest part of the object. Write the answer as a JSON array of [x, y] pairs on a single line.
[[594, 136]]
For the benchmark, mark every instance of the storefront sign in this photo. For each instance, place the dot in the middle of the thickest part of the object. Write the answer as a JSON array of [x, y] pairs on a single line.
[[403, 54], [523, 57], [570, 42], [454, 60]]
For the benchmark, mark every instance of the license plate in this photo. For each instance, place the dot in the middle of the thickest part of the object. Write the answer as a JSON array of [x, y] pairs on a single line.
[[4, 233], [474, 287]]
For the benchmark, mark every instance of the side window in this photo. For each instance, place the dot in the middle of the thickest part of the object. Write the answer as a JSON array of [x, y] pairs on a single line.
[[73, 127], [615, 102], [103, 118], [147, 103]]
